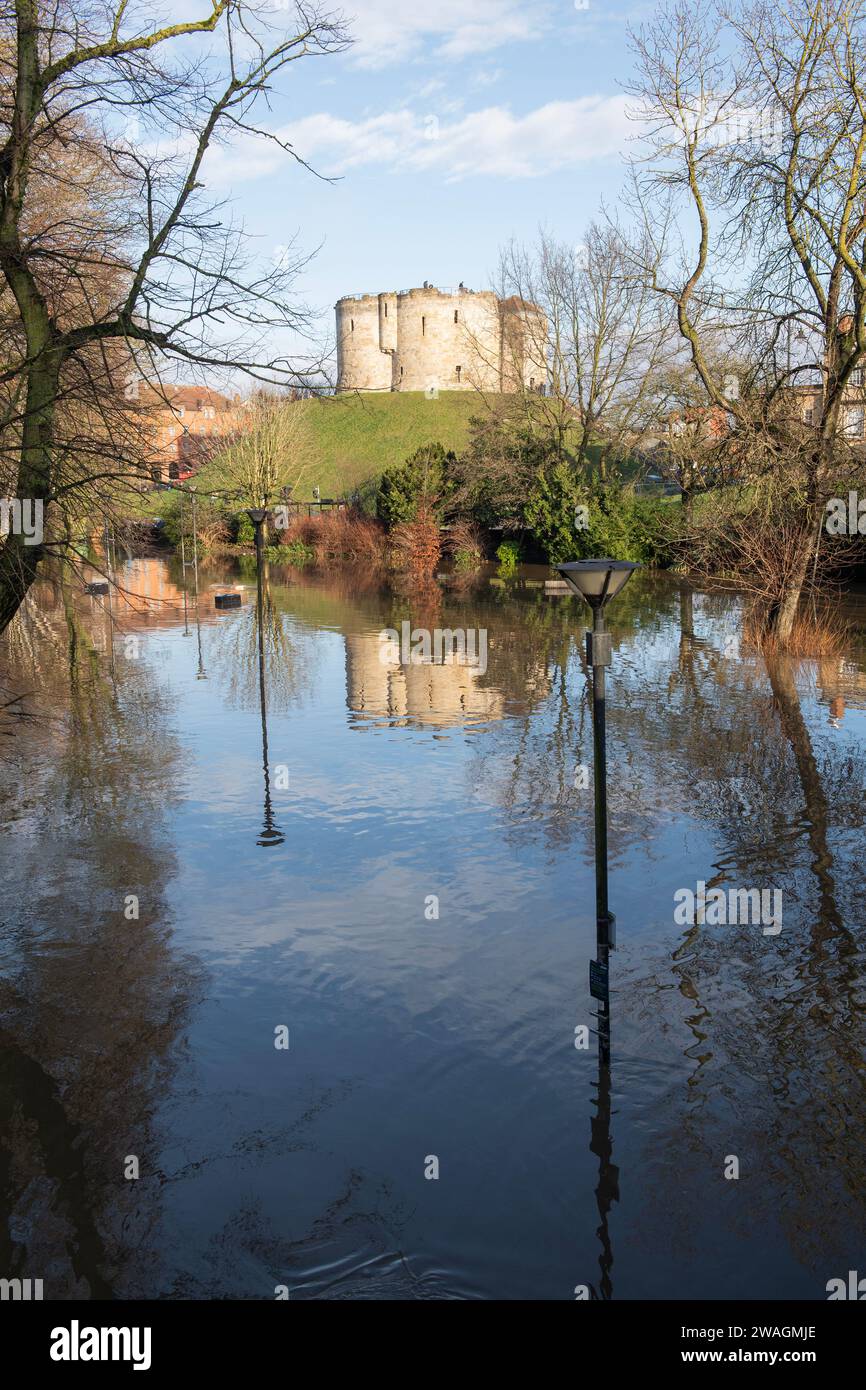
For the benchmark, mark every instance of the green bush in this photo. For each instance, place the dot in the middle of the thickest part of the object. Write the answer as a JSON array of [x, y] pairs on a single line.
[[490, 480], [168, 506], [295, 553], [465, 560], [245, 533], [509, 555], [625, 526], [405, 486], [618, 523], [549, 511]]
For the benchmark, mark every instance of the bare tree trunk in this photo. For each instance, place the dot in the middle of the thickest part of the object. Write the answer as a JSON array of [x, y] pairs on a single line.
[[789, 603], [785, 614], [584, 443], [602, 463], [19, 562], [814, 797]]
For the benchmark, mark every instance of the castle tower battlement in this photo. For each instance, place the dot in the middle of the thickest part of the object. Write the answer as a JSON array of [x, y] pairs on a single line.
[[433, 339]]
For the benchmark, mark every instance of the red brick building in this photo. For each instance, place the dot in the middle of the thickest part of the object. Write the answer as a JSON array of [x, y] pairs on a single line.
[[185, 424]]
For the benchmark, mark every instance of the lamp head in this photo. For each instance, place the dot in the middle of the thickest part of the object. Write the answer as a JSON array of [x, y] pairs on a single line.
[[596, 581], [256, 515]]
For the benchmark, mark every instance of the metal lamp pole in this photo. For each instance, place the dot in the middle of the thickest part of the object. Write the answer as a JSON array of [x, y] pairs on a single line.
[[270, 834], [598, 656], [598, 581], [598, 650]]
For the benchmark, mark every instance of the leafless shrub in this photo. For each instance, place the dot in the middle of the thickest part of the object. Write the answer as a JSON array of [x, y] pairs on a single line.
[[345, 535], [417, 545]]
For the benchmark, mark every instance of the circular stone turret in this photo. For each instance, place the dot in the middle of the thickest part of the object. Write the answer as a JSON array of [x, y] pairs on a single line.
[[524, 345], [361, 364], [447, 341]]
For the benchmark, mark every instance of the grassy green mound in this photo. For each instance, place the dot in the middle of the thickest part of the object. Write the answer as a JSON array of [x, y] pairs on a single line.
[[353, 438]]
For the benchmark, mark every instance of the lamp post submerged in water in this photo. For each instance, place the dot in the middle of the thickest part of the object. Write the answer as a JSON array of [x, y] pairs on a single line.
[[597, 582], [271, 835]]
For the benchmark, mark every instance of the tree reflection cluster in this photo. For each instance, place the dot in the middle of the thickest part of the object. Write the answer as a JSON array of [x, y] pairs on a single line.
[[92, 1014]]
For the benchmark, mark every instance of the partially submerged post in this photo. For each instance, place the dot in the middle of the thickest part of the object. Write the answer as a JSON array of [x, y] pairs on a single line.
[[270, 835], [597, 582], [194, 543]]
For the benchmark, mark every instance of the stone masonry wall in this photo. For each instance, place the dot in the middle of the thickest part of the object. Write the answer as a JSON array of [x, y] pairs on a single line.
[[438, 340]]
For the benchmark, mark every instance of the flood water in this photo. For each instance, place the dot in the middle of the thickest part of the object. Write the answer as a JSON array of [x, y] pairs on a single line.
[[288, 873]]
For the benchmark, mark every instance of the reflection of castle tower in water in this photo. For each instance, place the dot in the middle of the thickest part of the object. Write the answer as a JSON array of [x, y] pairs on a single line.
[[429, 694], [842, 686]]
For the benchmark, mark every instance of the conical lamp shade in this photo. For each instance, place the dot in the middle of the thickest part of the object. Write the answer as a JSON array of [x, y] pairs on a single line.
[[597, 581]]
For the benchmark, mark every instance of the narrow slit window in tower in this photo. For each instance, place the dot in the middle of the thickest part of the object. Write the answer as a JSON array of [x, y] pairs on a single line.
[[459, 370], [423, 325], [455, 315]]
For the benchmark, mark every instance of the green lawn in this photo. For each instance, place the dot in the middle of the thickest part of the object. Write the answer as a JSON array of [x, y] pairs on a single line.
[[355, 437]]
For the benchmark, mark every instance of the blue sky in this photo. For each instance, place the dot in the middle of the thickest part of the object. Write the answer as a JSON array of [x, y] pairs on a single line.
[[451, 126]]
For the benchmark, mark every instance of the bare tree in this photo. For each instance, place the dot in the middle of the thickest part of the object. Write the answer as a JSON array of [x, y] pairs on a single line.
[[686, 444], [754, 124], [605, 338], [143, 103], [270, 451]]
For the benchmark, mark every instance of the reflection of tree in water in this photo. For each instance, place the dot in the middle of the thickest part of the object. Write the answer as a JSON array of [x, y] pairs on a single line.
[[777, 1050], [529, 763], [91, 1003], [233, 654], [778, 1054]]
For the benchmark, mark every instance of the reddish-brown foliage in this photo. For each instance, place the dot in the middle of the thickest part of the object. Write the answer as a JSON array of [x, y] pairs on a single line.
[[339, 535], [417, 545]]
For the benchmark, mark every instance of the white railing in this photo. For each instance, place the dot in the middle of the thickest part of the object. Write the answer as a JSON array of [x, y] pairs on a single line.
[[439, 289]]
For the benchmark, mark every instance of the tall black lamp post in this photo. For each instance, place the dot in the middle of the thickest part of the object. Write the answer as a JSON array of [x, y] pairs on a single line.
[[271, 834], [598, 581], [257, 516]]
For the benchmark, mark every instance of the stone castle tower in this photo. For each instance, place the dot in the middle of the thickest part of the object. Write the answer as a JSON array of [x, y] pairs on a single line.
[[439, 340]]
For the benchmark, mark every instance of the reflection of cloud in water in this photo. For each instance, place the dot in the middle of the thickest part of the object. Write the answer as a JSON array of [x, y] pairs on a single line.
[[91, 1002]]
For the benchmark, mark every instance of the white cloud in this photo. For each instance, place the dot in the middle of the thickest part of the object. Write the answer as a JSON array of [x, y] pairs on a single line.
[[386, 32], [488, 77], [493, 141], [429, 89]]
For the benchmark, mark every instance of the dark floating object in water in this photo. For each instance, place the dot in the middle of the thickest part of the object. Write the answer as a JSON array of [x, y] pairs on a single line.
[[227, 600], [98, 587]]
